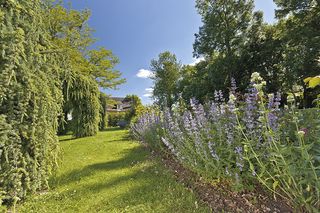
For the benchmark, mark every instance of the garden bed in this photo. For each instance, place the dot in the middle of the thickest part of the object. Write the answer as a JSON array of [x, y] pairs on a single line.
[[220, 197]]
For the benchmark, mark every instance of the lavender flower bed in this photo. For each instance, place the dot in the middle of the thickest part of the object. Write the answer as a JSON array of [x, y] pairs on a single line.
[[244, 141]]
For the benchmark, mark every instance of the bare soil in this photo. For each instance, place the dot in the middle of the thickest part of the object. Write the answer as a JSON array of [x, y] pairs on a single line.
[[221, 198]]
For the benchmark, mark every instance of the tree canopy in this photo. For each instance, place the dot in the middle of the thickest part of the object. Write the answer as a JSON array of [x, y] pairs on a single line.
[[166, 71], [235, 42]]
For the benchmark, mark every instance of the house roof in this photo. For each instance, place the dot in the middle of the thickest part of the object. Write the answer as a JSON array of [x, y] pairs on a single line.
[[118, 99], [125, 105]]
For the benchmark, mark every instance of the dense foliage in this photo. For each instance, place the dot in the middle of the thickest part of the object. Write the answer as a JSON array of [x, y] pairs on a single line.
[[46, 73], [84, 98], [30, 99], [135, 109], [242, 142], [103, 123], [166, 73]]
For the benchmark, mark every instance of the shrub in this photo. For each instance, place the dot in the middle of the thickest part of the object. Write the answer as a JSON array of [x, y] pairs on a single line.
[[115, 117]]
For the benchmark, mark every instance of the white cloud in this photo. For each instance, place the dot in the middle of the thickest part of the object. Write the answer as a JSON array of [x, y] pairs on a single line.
[[149, 92], [148, 95], [196, 61], [143, 73]]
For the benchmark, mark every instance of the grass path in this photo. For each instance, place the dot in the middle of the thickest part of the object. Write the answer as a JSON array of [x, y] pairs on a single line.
[[110, 173]]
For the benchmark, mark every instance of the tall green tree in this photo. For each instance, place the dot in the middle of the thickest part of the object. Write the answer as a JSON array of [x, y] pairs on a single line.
[[225, 25], [136, 107], [295, 7], [299, 32], [166, 71], [195, 83], [103, 124], [299, 24], [87, 70], [224, 33], [263, 53], [102, 63]]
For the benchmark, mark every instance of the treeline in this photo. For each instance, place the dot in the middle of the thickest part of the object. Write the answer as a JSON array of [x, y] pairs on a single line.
[[234, 41], [47, 72]]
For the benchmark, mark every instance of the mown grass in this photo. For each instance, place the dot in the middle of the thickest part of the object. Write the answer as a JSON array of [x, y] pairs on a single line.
[[111, 173]]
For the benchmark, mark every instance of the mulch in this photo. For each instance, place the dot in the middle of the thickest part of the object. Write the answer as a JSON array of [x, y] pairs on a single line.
[[220, 197]]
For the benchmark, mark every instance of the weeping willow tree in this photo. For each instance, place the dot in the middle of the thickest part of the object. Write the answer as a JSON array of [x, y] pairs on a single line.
[[103, 123], [30, 99], [84, 99], [87, 71], [46, 71]]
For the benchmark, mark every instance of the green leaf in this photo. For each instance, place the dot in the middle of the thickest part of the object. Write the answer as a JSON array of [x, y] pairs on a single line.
[[312, 82], [275, 184]]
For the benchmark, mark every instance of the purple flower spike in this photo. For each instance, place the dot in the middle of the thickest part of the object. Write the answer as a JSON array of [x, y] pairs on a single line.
[[233, 86]]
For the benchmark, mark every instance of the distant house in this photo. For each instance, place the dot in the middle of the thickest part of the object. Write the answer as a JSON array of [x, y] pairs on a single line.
[[118, 104]]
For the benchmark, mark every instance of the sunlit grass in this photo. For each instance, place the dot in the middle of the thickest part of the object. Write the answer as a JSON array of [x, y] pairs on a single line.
[[111, 173]]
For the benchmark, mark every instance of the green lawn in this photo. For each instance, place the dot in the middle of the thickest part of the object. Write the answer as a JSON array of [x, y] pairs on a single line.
[[111, 173]]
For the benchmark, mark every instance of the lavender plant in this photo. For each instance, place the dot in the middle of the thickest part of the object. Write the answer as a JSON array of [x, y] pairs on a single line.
[[283, 164], [147, 128], [237, 141]]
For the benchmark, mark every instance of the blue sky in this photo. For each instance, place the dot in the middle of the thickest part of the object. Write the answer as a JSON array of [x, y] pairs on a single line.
[[138, 30]]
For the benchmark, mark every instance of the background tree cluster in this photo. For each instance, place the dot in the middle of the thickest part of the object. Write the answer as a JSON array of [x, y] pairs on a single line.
[[46, 72], [235, 42]]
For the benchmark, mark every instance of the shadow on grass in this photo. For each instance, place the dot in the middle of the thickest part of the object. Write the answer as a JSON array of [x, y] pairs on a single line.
[[139, 191], [117, 185], [135, 184], [124, 138], [131, 157], [111, 129], [67, 139]]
